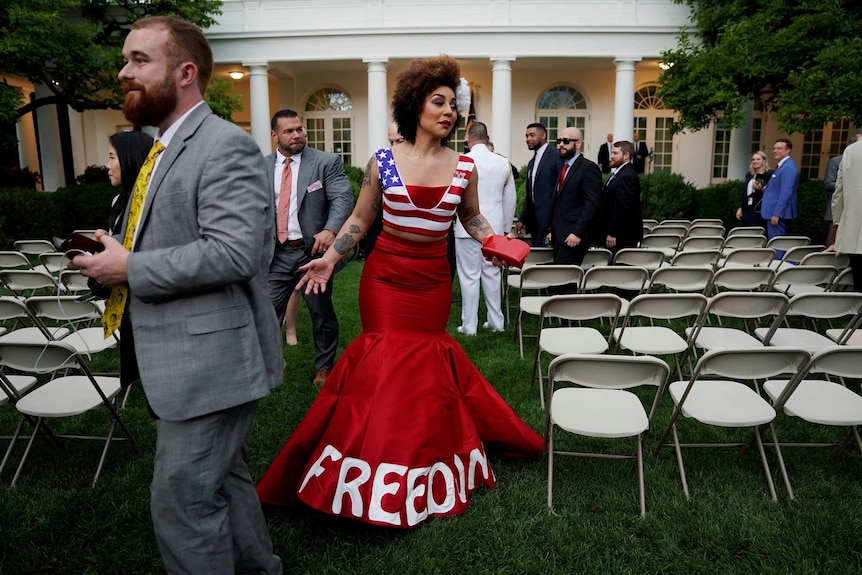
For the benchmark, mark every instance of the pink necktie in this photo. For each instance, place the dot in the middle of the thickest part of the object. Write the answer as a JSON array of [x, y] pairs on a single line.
[[284, 202]]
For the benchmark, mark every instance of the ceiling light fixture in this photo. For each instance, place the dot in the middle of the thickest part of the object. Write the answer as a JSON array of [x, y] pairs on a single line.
[[236, 75]]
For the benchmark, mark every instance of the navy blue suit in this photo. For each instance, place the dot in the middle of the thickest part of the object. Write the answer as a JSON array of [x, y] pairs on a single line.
[[539, 202]]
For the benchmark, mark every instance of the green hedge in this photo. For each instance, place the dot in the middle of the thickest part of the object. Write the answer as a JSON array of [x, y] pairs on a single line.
[[32, 214]]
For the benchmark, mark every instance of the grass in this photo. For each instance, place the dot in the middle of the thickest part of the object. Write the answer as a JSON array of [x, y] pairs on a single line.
[[54, 522]]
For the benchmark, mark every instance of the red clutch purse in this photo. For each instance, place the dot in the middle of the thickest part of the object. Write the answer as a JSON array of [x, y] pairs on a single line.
[[513, 252]]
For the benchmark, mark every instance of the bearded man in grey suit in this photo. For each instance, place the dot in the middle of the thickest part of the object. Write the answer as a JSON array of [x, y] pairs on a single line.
[[207, 340], [312, 199]]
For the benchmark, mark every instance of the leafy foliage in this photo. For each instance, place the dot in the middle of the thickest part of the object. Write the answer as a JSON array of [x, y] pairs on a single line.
[[798, 59], [220, 99], [73, 46]]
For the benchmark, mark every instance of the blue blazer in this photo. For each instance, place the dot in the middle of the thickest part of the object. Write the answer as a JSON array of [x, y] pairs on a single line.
[[536, 213], [779, 197]]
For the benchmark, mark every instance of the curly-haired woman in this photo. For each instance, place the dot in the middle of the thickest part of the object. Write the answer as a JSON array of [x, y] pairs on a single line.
[[399, 431]]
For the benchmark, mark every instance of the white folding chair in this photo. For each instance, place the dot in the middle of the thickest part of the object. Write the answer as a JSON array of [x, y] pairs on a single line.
[[742, 279], [696, 258], [843, 281], [573, 339], [681, 279], [748, 258], [600, 405], [25, 283], [596, 257], [53, 262], [795, 254], [62, 396], [830, 259], [747, 231], [813, 307], [77, 315], [787, 242], [818, 400], [643, 257], [667, 243], [801, 279], [22, 326], [632, 279], [707, 221], [14, 260], [740, 242], [705, 229], [752, 309], [701, 243], [537, 255], [536, 278], [637, 337], [650, 223], [719, 393], [34, 247], [12, 388]]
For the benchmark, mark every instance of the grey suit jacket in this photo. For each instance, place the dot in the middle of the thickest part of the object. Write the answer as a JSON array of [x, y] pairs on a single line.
[[324, 208], [206, 335], [829, 184]]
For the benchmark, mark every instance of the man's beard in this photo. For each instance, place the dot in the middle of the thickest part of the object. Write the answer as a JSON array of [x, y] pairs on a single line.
[[149, 107], [567, 154]]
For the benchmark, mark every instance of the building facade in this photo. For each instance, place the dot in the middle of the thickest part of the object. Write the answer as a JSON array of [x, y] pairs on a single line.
[[586, 63]]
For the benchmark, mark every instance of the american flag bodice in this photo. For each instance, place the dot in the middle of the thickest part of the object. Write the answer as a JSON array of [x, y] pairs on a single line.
[[407, 213]]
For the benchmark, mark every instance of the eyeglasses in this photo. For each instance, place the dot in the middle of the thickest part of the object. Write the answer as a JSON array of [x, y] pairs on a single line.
[[567, 141]]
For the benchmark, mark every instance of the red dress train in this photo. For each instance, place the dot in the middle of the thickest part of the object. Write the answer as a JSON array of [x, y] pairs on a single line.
[[399, 431]]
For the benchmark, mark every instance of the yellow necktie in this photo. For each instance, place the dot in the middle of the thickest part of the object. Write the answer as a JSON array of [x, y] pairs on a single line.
[[116, 303]]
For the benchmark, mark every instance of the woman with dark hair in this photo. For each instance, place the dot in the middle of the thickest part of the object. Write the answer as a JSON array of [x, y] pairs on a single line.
[[398, 433], [126, 155]]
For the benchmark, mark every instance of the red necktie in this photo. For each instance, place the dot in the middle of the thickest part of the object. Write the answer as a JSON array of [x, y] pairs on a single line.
[[283, 210], [562, 178]]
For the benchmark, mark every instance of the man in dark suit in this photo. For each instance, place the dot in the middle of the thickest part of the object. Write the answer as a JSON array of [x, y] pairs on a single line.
[[620, 221], [312, 199], [196, 246], [778, 206], [605, 155], [640, 154], [543, 170], [576, 200]]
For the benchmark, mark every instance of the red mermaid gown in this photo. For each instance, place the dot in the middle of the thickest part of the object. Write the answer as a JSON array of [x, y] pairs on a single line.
[[399, 431]]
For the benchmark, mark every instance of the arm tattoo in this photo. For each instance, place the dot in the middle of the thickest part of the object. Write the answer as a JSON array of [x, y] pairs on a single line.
[[377, 203], [366, 176], [345, 242], [479, 225]]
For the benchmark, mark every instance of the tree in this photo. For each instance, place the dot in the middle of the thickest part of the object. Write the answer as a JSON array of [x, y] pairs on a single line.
[[73, 47], [798, 59]]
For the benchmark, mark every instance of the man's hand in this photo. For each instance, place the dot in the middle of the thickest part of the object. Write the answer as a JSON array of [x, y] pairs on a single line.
[[774, 220], [572, 240], [611, 241], [108, 268], [519, 229], [322, 241]]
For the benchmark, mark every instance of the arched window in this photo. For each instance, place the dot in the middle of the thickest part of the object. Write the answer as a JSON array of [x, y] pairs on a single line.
[[647, 98], [561, 107], [329, 122]]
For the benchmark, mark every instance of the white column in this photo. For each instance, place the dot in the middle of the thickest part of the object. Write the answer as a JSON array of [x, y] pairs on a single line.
[[624, 98], [740, 146], [378, 105], [258, 91], [501, 104], [50, 155]]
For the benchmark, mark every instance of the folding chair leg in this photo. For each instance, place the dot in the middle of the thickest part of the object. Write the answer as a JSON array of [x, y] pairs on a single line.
[[520, 336], [781, 466], [679, 463], [26, 452], [551, 467], [640, 463], [12, 441], [847, 441], [105, 451], [769, 482]]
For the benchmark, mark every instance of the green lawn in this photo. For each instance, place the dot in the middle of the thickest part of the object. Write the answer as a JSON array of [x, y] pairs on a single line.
[[54, 522]]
